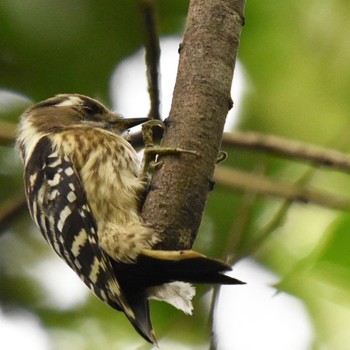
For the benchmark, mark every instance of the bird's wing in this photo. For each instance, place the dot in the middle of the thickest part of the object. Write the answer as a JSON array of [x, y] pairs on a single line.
[[58, 205]]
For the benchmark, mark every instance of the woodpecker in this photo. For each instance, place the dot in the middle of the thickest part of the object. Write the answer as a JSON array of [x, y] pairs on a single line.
[[84, 188]]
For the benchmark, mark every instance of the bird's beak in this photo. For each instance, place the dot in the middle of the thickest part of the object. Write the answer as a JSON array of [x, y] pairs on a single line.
[[130, 122], [122, 124]]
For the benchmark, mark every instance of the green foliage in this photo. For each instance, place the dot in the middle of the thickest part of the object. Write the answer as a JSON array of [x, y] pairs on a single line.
[[296, 58], [334, 260]]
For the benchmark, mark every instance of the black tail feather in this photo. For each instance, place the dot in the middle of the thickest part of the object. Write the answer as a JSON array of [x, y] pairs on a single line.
[[187, 266], [158, 267], [139, 304], [153, 268]]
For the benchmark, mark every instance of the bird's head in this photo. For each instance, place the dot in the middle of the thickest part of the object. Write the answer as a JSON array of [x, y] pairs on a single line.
[[64, 112], [72, 110]]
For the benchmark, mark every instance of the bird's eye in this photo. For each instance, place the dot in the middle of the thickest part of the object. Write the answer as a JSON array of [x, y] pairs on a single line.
[[90, 108]]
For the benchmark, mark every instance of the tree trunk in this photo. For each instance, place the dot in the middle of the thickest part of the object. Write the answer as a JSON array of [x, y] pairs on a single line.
[[201, 101]]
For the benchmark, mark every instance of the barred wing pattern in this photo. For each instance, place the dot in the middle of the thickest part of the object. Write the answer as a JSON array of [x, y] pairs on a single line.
[[58, 205]]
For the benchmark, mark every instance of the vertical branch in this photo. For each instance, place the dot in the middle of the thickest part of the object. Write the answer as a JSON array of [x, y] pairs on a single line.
[[201, 100], [152, 55], [152, 58]]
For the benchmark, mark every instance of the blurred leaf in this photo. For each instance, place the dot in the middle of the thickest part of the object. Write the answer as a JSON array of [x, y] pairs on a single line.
[[333, 261]]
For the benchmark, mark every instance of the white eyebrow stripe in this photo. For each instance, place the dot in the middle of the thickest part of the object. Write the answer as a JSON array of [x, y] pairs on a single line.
[[70, 101]]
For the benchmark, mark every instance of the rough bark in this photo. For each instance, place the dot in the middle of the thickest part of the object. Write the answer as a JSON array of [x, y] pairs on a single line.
[[201, 100]]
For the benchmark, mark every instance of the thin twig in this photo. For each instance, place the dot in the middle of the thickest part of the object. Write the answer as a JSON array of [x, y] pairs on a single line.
[[288, 148], [241, 180], [152, 58], [276, 220], [233, 254], [152, 55], [7, 133], [240, 225], [231, 250]]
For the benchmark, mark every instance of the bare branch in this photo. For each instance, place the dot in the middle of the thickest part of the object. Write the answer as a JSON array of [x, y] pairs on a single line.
[[201, 100], [152, 58], [152, 55], [241, 180], [288, 148], [275, 221]]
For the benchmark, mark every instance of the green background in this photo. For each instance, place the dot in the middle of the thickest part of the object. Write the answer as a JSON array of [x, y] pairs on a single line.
[[296, 56]]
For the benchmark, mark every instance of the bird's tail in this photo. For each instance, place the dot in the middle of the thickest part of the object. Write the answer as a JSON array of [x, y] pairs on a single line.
[[186, 266], [155, 268]]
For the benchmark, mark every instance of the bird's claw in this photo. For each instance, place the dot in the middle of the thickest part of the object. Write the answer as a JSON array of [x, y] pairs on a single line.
[[151, 151]]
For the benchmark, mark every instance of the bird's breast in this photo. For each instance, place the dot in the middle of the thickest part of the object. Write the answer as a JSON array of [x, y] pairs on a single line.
[[109, 169]]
